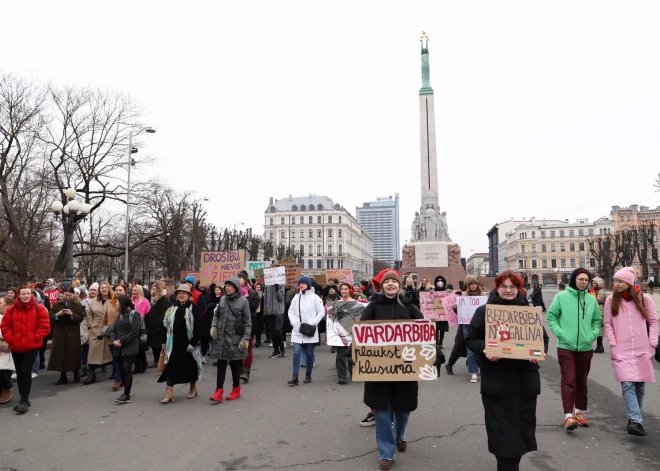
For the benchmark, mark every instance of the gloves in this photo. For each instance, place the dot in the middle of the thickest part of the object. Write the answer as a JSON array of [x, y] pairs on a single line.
[[214, 333], [243, 345], [277, 287], [190, 349]]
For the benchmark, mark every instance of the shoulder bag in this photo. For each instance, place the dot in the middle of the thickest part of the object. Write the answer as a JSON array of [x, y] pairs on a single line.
[[239, 326], [161, 361], [308, 330]]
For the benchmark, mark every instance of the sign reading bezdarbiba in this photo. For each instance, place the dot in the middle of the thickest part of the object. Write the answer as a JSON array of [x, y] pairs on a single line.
[[514, 332], [396, 350]]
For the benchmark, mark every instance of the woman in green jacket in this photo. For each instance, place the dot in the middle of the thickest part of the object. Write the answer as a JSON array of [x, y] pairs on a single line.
[[575, 319]]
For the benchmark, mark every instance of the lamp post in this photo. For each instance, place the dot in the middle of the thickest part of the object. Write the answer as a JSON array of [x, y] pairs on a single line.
[[239, 224], [194, 233], [128, 191], [71, 213]]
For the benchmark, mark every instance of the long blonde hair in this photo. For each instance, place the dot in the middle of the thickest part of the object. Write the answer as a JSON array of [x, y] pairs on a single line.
[[111, 293], [140, 291], [159, 287]]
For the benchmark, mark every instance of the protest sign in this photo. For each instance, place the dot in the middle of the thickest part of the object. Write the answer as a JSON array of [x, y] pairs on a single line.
[[218, 267], [448, 302], [252, 265], [430, 303], [341, 275], [466, 306], [514, 332], [293, 273], [394, 350], [53, 295], [339, 322], [274, 276], [321, 280]]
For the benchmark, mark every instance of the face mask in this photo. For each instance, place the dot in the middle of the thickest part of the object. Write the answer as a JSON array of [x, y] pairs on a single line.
[[440, 284]]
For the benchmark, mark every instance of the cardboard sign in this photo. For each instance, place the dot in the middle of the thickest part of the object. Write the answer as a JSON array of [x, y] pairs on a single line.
[[514, 332], [293, 273], [252, 265], [341, 275], [339, 321], [218, 267], [430, 303], [185, 273], [448, 302], [466, 306], [274, 276], [395, 350], [320, 279]]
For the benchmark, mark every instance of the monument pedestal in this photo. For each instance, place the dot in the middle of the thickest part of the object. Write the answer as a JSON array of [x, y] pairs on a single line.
[[430, 258]]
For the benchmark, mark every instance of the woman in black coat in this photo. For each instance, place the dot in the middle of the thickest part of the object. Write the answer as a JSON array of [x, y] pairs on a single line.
[[410, 290], [125, 337], [509, 388], [154, 321], [440, 284], [392, 400]]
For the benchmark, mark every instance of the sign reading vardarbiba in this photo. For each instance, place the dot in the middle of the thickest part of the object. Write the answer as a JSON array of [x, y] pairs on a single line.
[[514, 332], [395, 350]]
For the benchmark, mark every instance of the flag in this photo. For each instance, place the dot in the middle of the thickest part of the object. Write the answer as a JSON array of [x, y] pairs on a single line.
[[535, 353], [520, 345], [506, 351], [492, 344]]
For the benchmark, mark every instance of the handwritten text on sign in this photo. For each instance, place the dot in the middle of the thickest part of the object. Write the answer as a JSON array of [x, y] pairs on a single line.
[[274, 276], [514, 332], [218, 267], [466, 306], [448, 302], [430, 303], [396, 350]]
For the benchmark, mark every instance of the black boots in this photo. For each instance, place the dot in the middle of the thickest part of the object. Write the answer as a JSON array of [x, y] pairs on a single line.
[[62, 380], [91, 379], [293, 381], [599, 345], [22, 406], [84, 372], [635, 428], [308, 378], [76, 376], [245, 374], [449, 368]]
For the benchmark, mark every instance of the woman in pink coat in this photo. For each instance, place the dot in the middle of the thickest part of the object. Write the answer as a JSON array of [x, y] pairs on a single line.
[[627, 312], [143, 307]]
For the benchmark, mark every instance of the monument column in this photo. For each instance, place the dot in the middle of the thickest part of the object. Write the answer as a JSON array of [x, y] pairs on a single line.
[[428, 157]]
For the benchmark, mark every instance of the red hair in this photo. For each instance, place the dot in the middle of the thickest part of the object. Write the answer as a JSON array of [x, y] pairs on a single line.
[[24, 287], [515, 278]]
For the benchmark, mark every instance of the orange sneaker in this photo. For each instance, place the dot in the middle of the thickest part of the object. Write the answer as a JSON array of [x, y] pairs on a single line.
[[579, 418], [571, 424]]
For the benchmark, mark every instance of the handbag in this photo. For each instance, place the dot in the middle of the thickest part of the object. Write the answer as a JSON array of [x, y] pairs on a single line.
[[105, 331], [308, 330], [161, 361]]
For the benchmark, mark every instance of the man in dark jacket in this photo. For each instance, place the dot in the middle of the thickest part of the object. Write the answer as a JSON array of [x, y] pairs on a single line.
[[274, 317], [253, 300]]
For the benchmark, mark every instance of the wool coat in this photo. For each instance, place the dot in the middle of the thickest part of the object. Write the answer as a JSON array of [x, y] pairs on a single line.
[[509, 389], [109, 316], [402, 394], [65, 348], [154, 322], [99, 353], [181, 364], [305, 308], [632, 346], [230, 311]]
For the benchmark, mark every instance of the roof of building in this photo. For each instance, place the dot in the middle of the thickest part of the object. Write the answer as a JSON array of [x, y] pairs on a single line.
[[303, 203]]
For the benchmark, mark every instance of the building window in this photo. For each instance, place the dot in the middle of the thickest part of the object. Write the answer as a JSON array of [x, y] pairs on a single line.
[[338, 232], [319, 233], [544, 248], [583, 262], [563, 263], [311, 233], [552, 234], [523, 248], [339, 219], [591, 246], [329, 232], [561, 233], [553, 247], [571, 246], [294, 208], [571, 233], [591, 232], [533, 248], [303, 208], [282, 234], [318, 219], [319, 207], [330, 249], [534, 264], [544, 263], [311, 219], [282, 220], [302, 250], [318, 250], [580, 232], [533, 234], [302, 219], [311, 207], [553, 263], [271, 221], [592, 262], [572, 263], [310, 250], [542, 234], [293, 219], [319, 263], [562, 246], [581, 247], [272, 235], [310, 263], [340, 249], [293, 234], [521, 264]]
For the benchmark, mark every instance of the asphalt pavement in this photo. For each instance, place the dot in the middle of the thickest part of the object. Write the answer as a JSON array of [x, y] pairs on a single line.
[[310, 427]]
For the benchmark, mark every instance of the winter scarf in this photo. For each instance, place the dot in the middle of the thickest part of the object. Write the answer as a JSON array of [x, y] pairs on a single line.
[[626, 295], [190, 324]]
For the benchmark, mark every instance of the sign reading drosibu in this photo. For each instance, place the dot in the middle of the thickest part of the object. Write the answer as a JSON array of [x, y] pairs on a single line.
[[395, 350], [218, 267], [274, 276], [466, 305], [514, 332]]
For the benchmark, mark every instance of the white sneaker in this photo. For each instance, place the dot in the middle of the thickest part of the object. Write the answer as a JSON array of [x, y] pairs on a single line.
[[473, 379], [270, 344], [14, 377], [35, 375]]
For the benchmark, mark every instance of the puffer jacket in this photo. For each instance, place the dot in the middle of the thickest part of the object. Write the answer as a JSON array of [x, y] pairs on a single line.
[[231, 310], [25, 325], [305, 308]]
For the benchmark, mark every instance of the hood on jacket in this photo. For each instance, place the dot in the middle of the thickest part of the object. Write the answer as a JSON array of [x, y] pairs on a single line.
[[574, 276], [377, 279], [236, 283], [599, 282], [24, 306], [444, 282]]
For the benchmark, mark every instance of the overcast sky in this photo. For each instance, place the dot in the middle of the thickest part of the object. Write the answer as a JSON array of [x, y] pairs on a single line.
[[545, 109]]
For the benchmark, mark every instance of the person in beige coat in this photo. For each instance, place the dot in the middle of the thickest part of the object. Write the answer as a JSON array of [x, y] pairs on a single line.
[[110, 313], [598, 291], [99, 353]]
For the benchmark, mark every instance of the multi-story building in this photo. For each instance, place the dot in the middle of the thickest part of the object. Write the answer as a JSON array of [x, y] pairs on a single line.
[[477, 264], [634, 216], [381, 219], [323, 232], [547, 252]]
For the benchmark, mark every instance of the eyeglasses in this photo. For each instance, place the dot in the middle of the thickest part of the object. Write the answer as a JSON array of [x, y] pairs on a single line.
[[509, 288]]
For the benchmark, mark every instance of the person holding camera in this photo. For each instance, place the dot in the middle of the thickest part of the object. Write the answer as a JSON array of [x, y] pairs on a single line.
[[231, 330]]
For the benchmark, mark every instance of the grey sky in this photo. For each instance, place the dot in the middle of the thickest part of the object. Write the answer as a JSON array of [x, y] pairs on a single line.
[[542, 108]]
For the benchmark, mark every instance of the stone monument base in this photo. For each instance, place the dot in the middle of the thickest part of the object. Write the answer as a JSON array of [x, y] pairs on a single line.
[[430, 258]]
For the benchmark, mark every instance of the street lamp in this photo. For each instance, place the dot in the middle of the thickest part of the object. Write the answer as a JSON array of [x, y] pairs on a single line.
[[131, 162], [71, 213], [239, 224]]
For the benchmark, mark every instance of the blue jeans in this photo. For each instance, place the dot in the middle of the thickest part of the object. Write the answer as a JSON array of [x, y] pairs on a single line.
[[390, 429], [35, 365], [473, 367], [633, 398], [116, 365], [298, 349]]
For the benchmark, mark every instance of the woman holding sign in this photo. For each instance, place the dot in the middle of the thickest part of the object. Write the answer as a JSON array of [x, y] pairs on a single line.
[[393, 401], [509, 388]]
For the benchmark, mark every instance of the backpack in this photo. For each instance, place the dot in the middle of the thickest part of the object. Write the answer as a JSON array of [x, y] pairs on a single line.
[[143, 329]]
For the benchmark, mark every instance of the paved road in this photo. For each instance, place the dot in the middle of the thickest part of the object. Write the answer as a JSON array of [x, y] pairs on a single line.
[[311, 427]]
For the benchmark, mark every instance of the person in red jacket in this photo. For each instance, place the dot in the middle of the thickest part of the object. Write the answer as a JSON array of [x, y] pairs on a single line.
[[24, 327]]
